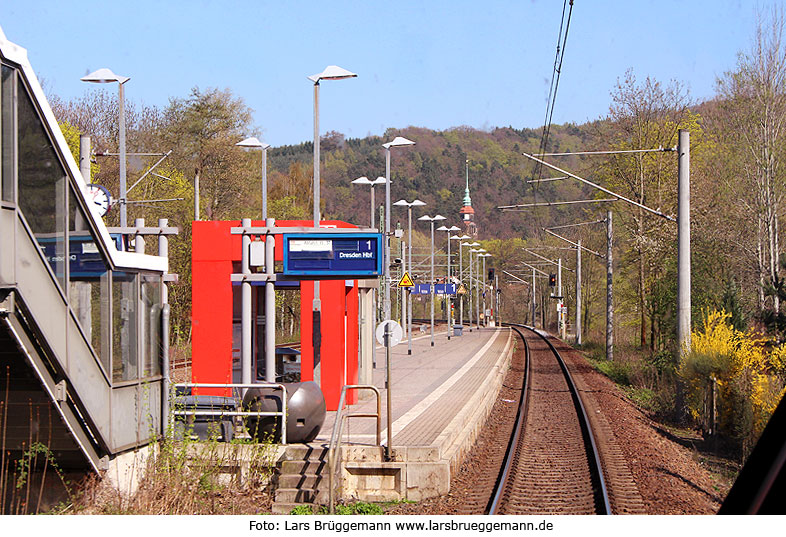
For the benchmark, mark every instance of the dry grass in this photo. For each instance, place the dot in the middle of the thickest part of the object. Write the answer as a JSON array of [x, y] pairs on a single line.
[[191, 478]]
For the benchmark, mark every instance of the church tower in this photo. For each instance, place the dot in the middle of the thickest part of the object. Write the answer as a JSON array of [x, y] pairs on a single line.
[[467, 212]]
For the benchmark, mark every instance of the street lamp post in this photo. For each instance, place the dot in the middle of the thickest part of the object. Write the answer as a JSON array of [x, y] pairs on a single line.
[[461, 273], [270, 290], [104, 76], [472, 249], [331, 72], [432, 219], [408, 303], [366, 181], [447, 280], [396, 142], [478, 280], [483, 279], [254, 143]]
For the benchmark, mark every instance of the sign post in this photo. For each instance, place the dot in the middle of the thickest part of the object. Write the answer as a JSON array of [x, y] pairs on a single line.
[[389, 333]]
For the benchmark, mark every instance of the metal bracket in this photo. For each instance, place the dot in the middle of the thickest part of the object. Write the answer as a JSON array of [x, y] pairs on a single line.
[[60, 391]]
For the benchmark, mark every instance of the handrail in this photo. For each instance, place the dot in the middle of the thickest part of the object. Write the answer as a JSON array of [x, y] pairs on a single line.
[[194, 412], [335, 437]]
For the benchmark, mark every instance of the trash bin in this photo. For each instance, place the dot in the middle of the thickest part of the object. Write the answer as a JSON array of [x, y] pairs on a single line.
[[458, 329]]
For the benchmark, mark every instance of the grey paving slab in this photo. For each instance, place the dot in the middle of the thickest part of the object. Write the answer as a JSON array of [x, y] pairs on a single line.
[[428, 387]]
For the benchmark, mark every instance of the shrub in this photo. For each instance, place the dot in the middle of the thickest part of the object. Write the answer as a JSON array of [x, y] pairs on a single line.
[[743, 373]]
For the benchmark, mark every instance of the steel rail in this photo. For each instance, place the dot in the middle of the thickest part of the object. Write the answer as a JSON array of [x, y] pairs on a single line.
[[502, 479], [602, 504]]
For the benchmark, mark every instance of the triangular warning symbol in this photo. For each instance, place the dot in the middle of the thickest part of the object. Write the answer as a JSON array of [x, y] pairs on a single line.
[[406, 281], [461, 290]]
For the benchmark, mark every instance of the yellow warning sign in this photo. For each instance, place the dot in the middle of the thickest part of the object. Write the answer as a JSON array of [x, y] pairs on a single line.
[[406, 281], [461, 290]]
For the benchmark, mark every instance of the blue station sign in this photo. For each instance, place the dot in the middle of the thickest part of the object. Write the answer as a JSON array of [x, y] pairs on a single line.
[[333, 254], [439, 289]]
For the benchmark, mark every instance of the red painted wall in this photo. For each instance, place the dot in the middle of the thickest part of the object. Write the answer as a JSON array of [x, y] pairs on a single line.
[[214, 249]]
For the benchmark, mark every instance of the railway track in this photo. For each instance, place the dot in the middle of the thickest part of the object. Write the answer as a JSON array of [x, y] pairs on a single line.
[[552, 464]]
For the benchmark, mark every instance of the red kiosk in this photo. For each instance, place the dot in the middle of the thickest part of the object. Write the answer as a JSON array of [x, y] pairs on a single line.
[[215, 255]]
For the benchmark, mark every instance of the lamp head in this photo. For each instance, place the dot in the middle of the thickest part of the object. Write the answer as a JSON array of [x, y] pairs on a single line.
[[332, 72], [398, 141], [252, 143], [103, 76], [361, 181]]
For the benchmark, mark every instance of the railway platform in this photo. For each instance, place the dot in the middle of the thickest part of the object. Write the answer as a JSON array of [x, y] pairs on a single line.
[[441, 396]]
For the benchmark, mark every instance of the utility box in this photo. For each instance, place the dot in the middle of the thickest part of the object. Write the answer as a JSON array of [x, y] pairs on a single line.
[[458, 330]]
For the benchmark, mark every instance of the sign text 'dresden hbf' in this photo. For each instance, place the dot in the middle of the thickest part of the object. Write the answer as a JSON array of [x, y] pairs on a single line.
[[333, 254]]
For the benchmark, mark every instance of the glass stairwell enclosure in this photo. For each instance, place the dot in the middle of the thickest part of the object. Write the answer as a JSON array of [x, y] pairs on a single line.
[[80, 321]]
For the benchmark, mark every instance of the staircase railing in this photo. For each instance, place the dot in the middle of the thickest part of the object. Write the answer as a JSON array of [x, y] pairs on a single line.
[[335, 438]]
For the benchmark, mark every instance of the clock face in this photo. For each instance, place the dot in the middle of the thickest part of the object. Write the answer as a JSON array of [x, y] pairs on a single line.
[[98, 195]]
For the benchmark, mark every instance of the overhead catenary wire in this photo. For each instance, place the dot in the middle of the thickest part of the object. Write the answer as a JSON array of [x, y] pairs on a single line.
[[562, 40]]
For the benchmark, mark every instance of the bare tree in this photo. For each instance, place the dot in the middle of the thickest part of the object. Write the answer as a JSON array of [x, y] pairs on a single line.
[[644, 115], [753, 101]]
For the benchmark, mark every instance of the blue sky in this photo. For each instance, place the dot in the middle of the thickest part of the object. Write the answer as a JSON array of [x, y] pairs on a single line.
[[435, 64]]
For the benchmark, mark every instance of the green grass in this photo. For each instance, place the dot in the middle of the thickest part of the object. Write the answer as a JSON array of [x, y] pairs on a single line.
[[354, 508], [617, 371]]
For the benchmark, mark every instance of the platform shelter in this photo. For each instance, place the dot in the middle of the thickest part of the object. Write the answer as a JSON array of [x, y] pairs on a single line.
[[215, 319]]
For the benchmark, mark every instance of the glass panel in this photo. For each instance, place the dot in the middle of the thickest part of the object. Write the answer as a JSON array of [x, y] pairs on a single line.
[[124, 327], [151, 319], [42, 185], [7, 132], [89, 283]]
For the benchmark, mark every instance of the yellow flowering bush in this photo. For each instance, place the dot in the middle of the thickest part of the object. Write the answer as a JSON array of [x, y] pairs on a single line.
[[746, 372]]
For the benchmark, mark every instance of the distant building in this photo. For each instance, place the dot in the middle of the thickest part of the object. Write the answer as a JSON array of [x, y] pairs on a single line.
[[468, 213]]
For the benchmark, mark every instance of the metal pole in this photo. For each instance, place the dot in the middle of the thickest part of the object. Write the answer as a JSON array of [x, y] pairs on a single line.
[[478, 281], [496, 294], [372, 206], [386, 303], [683, 255], [245, 310], [533, 298], [316, 305], [560, 301], [196, 194], [270, 305], [609, 291], [578, 293], [461, 276], [163, 251], [122, 151], [431, 285], [84, 157], [409, 292], [139, 240], [447, 295], [402, 290], [389, 397], [483, 280], [264, 185], [470, 289], [165, 366]]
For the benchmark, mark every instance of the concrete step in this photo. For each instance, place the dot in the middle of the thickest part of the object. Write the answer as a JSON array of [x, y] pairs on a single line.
[[303, 467], [301, 495], [284, 508], [305, 452], [294, 481]]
